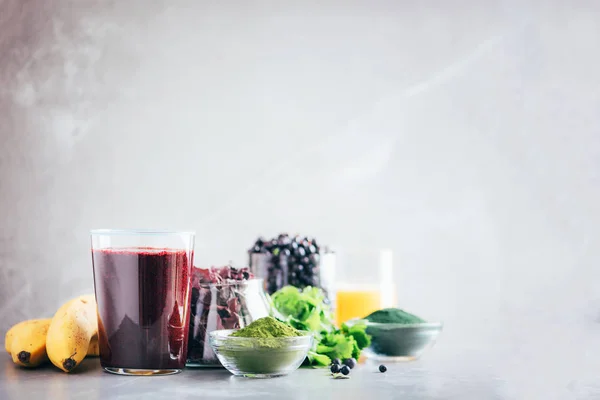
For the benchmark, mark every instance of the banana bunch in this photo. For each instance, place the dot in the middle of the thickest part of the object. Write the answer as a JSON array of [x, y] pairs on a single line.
[[64, 339]]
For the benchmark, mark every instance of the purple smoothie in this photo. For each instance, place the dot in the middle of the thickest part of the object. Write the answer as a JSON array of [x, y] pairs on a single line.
[[143, 296]]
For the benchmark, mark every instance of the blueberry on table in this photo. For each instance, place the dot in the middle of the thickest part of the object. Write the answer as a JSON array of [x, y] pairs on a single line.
[[345, 370], [335, 368], [350, 363], [382, 368], [336, 361]]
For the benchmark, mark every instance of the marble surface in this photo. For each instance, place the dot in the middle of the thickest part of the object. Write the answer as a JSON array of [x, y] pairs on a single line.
[[435, 376]]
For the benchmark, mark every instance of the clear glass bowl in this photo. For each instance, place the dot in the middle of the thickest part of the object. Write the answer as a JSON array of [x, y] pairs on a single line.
[[399, 342], [221, 306], [260, 357]]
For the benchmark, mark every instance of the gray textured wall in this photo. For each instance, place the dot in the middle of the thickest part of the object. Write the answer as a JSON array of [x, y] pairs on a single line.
[[465, 135]]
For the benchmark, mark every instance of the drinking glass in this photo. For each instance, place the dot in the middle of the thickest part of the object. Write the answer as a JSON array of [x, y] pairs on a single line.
[[142, 284], [363, 283]]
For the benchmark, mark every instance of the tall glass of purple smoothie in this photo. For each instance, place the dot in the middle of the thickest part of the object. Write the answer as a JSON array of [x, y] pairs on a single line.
[[142, 282]]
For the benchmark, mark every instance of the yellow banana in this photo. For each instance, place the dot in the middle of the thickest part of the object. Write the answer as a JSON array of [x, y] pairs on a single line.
[[94, 349], [26, 342], [71, 331]]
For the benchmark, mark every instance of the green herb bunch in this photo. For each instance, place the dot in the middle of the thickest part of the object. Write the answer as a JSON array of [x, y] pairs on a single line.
[[308, 310]]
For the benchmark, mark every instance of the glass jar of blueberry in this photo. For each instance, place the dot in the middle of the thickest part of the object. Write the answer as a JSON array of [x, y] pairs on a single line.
[[222, 298], [289, 260]]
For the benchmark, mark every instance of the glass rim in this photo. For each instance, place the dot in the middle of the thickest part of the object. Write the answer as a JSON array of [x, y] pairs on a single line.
[[143, 232], [225, 334], [245, 282], [397, 325]]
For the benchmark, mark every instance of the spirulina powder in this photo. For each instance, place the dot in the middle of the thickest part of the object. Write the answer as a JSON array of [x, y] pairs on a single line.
[[267, 327], [389, 337], [393, 316], [266, 354]]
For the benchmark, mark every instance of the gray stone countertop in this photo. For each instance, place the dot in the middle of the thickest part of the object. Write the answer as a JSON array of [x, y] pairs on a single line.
[[478, 373], [406, 380]]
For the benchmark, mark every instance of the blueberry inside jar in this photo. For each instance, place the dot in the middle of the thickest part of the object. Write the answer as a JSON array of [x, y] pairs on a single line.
[[287, 260], [222, 298]]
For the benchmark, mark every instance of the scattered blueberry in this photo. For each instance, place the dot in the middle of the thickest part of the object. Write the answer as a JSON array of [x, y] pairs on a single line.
[[336, 361], [345, 370], [335, 368], [382, 368], [350, 362]]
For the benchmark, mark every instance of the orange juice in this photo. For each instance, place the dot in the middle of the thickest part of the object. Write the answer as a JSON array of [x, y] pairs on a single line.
[[356, 304]]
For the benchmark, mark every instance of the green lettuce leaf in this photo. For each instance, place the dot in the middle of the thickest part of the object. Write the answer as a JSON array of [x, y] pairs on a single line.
[[319, 360], [307, 309]]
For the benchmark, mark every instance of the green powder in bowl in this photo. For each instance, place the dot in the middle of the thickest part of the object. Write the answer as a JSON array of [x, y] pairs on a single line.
[[397, 335], [265, 348], [267, 327], [393, 316]]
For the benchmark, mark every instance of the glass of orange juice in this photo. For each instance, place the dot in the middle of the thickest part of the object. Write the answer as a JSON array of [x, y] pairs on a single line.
[[363, 283]]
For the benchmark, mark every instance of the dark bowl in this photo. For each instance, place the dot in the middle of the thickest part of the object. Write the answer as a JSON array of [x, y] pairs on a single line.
[[399, 342]]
